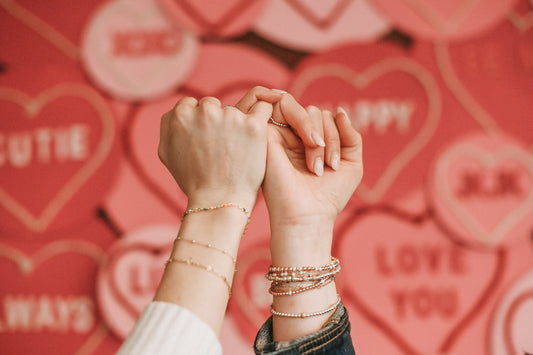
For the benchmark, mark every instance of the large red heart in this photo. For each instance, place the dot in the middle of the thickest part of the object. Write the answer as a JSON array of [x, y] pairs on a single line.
[[482, 188], [360, 92], [319, 18], [492, 76], [47, 305], [407, 279], [37, 205]]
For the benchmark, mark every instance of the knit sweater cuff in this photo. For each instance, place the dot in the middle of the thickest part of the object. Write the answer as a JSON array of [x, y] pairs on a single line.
[[166, 328]]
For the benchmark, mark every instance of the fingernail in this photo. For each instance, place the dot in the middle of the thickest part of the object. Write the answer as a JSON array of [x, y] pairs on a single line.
[[335, 161], [341, 110], [319, 166], [279, 91], [318, 139]]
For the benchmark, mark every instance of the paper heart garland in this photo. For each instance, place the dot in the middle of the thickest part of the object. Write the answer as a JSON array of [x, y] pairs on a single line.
[[510, 330], [413, 284], [482, 190], [396, 123], [433, 19], [90, 140], [130, 48], [58, 307], [219, 19], [127, 281]]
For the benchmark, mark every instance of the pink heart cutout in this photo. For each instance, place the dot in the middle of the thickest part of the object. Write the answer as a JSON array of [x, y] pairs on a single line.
[[413, 279], [31, 108]]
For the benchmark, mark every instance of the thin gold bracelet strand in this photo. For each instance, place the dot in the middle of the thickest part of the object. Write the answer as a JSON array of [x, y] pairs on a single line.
[[207, 268], [208, 246], [306, 315]]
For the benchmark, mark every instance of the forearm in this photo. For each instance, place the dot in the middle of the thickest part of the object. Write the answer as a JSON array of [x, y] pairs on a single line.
[[202, 271], [302, 244]]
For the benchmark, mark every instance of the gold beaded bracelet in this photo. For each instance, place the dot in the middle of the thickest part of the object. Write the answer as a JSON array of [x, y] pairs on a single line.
[[207, 268], [279, 269], [306, 315], [278, 289], [302, 276], [208, 246], [217, 207]]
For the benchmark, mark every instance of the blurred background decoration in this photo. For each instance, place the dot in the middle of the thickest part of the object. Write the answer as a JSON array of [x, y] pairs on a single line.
[[436, 245]]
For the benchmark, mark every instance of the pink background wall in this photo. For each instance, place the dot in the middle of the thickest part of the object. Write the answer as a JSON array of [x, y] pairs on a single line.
[[436, 245]]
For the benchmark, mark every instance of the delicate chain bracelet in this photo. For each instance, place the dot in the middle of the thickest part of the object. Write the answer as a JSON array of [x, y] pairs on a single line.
[[208, 246], [217, 207], [207, 268], [306, 315]]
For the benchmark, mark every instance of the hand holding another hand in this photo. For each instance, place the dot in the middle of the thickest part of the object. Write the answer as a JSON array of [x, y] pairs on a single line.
[[216, 155]]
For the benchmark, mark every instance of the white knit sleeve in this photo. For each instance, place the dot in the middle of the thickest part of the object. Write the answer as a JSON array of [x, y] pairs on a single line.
[[168, 329]]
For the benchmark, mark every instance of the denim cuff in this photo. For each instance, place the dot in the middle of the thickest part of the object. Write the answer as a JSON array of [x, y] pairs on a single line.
[[333, 338]]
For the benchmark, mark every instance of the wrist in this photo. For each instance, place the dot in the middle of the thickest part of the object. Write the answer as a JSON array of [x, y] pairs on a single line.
[[302, 243], [213, 197]]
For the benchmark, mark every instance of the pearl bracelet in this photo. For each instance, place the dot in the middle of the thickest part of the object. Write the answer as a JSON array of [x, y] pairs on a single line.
[[306, 315]]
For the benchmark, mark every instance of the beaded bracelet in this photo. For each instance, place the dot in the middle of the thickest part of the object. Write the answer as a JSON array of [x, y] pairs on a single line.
[[279, 124], [278, 289], [332, 265], [208, 246], [306, 315], [295, 276], [207, 268], [217, 207]]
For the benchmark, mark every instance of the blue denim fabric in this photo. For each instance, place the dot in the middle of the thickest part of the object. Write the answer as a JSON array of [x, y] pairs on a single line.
[[333, 338]]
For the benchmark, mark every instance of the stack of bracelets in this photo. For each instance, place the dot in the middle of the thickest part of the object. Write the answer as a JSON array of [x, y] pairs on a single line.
[[288, 281]]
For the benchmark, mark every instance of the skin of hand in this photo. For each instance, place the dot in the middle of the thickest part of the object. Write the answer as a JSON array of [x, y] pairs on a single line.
[[215, 154], [300, 197], [305, 188], [287, 111], [303, 208]]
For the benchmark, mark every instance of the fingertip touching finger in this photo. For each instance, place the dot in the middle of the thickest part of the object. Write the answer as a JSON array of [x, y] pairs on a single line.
[[331, 136], [314, 156]]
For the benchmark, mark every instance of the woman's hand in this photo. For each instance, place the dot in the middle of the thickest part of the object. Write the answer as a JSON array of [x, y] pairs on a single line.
[[297, 196], [215, 154], [289, 112]]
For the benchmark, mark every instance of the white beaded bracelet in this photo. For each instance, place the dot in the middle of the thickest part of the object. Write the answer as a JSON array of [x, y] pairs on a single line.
[[306, 315]]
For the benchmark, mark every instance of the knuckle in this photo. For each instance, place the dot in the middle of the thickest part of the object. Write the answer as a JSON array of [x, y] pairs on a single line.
[[258, 88], [312, 109]]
